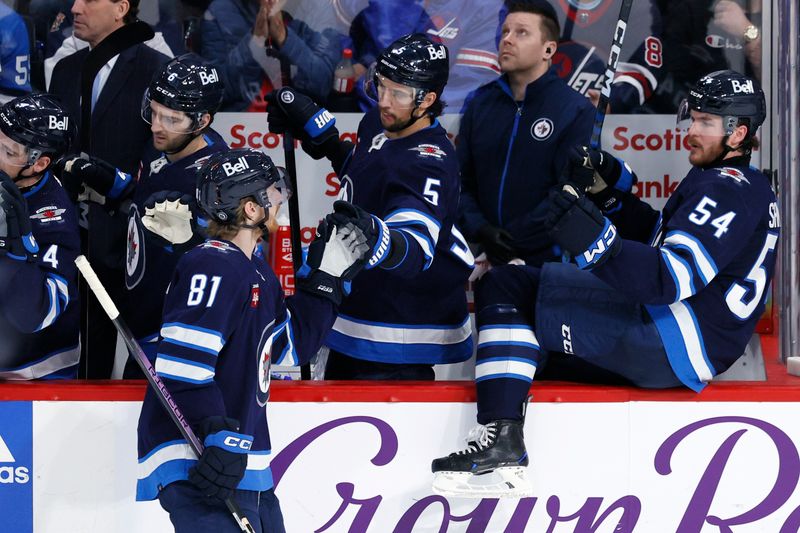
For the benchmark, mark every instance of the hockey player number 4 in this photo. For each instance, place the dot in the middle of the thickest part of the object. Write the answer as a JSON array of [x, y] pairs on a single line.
[[197, 290]]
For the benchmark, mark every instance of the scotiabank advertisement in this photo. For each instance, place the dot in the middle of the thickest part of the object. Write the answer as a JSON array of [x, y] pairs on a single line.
[[644, 467]]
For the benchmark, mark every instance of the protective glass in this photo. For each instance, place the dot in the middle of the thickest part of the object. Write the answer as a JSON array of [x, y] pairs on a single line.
[[706, 124], [379, 87], [169, 119], [13, 153]]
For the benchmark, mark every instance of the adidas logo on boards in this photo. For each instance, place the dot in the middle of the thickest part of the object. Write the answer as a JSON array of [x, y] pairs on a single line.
[[10, 473]]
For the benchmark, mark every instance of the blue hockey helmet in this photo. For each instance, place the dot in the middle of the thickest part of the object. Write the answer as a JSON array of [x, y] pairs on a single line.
[[228, 177]]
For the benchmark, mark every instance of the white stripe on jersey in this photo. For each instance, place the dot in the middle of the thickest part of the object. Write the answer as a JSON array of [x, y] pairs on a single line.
[[681, 274], [520, 335], [204, 340], [707, 268], [256, 461], [183, 370], [398, 334], [500, 369], [408, 217], [473, 57], [691, 339], [53, 363], [53, 309]]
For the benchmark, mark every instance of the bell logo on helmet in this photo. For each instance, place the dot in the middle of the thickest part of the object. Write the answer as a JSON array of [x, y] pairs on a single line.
[[55, 124], [440, 53], [210, 77], [232, 168], [743, 87]]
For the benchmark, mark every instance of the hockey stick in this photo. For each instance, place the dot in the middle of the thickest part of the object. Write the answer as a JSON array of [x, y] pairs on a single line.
[[160, 389], [611, 69]]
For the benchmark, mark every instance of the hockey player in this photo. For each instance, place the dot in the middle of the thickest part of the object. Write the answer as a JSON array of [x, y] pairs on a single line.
[[163, 221], [39, 241], [514, 139], [404, 172], [675, 312], [225, 322]]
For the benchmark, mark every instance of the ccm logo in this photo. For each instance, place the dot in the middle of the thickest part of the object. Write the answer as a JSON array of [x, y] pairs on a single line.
[[236, 442]]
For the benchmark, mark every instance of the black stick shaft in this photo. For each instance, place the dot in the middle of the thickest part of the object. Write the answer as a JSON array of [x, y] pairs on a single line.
[[611, 69], [160, 389]]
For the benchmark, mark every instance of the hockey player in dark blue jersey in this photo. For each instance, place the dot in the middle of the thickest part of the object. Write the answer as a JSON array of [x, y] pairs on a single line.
[[225, 322], [403, 170], [514, 138], [656, 300], [39, 328], [163, 220]]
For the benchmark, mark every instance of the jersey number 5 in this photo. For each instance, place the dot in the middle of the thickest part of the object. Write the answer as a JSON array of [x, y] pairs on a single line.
[[736, 297], [429, 194], [197, 290]]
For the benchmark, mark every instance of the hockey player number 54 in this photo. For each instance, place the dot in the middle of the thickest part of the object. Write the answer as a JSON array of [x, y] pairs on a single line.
[[737, 294], [701, 214]]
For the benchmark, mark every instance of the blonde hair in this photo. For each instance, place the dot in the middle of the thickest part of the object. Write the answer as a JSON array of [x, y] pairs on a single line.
[[229, 230]]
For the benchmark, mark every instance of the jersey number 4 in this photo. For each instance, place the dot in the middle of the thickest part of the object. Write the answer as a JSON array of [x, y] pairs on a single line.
[[197, 290]]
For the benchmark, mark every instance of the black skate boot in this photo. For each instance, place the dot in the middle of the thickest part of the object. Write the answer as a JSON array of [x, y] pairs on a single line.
[[498, 448]]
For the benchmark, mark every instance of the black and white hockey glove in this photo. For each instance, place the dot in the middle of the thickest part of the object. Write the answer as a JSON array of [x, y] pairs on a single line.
[[334, 258], [379, 238], [613, 179], [16, 237], [169, 221], [222, 465], [578, 172], [87, 178], [578, 226]]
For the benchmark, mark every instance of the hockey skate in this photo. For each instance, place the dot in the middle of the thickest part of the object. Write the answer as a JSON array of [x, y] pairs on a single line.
[[492, 466]]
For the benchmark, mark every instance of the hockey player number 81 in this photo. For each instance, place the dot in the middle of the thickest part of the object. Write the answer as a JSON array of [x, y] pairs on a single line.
[[735, 297], [197, 289]]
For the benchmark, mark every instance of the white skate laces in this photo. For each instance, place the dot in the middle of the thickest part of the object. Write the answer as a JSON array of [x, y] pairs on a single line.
[[502, 482]]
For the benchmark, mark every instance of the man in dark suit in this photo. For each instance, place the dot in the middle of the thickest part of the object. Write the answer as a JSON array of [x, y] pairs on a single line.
[[119, 136]]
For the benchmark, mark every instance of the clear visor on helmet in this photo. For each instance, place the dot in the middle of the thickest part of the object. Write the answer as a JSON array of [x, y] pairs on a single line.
[[169, 119], [14, 154], [279, 192], [382, 89], [683, 119]]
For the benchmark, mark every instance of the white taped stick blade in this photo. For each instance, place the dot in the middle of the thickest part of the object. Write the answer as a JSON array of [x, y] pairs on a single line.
[[505, 482], [96, 286]]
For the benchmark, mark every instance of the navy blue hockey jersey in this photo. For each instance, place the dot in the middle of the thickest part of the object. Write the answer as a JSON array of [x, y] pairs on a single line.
[[705, 279], [412, 184], [148, 264], [225, 322], [39, 324]]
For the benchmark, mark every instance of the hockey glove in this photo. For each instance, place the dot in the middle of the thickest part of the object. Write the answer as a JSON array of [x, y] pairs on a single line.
[[578, 226], [613, 178], [16, 237], [295, 112], [578, 172], [89, 178], [334, 258], [223, 462], [382, 245], [496, 243], [169, 220]]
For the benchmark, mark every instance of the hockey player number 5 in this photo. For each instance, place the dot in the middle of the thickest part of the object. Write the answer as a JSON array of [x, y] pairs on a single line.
[[197, 290], [736, 295], [429, 194]]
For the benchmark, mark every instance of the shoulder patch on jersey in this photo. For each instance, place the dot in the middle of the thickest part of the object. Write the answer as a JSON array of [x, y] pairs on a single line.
[[135, 250], [734, 173], [47, 214], [218, 245], [377, 142], [198, 163], [542, 129], [157, 164], [429, 150]]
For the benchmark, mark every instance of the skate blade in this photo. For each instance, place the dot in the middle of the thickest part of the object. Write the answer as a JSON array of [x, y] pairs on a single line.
[[505, 482]]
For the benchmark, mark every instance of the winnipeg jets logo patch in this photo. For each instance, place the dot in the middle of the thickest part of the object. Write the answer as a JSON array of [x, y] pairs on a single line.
[[135, 253], [345, 188], [429, 150], [734, 173], [48, 214], [542, 129], [264, 363], [217, 245]]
